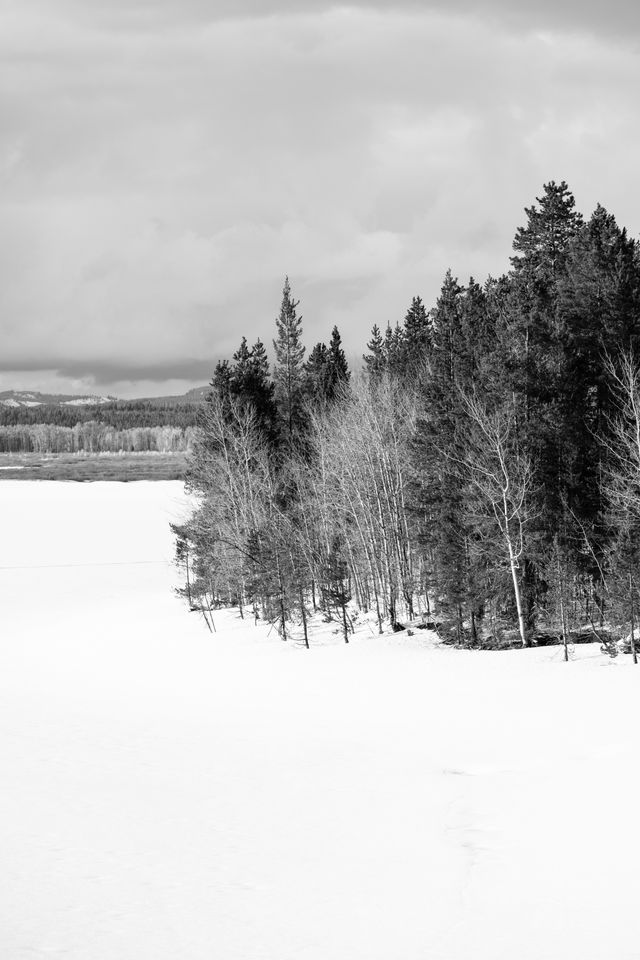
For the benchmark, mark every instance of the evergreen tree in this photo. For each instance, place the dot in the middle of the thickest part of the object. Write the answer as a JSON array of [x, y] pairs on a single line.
[[441, 491], [530, 361], [258, 390], [541, 245], [598, 306], [416, 335], [338, 369], [288, 369], [326, 369], [447, 339], [247, 381], [478, 336], [393, 349], [374, 360], [242, 365], [221, 381], [316, 371]]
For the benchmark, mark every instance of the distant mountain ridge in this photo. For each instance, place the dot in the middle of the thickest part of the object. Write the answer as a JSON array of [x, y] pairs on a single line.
[[33, 398], [191, 396]]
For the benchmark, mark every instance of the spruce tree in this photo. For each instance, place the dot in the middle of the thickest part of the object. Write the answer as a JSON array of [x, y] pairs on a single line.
[[247, 381], [374, 360], [325, 370], [477, 333], [599, 313], [531, 355], [541, 245], [440, 495], [338, 369], [393, 349], [416, 336], [221, 382], [242, 363], [288, 374], [316, 371], [259, 391]]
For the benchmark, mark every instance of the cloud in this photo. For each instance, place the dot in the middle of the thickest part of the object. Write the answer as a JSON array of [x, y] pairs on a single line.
[[161, 169], [617, 17]]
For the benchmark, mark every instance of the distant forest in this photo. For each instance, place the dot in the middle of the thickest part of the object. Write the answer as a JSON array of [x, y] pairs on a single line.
[[135, 425], [122, 414], [483, 472]]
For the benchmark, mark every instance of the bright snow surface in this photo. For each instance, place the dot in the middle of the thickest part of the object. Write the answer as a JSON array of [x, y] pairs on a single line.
[[168, 793]]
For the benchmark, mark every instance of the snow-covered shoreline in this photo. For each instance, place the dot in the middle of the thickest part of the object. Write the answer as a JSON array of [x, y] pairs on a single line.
[[174, 793]]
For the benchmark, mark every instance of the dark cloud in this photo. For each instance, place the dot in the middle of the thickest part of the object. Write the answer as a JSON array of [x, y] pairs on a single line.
[[103, 374], [162, 168], [617, 17]]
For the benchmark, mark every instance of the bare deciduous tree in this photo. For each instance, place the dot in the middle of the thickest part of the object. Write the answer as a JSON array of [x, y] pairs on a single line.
[[501, 477]]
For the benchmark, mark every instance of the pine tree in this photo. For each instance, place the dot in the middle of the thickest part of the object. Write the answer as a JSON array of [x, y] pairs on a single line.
[[259, 391], [447, 339], [393, 349], [239, 372], [242, 365], [221, 380], [288, 370], [416, 336], [374, 360], [316, 371], [530, 361], [325, 370], [246, 380], [478, 336], [338, 369], [541, 246], [598, 306], [440, 494]]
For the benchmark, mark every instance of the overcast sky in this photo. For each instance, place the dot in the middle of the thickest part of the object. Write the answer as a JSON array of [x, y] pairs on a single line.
[[164, 164]]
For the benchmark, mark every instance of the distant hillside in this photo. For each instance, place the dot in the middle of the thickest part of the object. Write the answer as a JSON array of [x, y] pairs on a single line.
[[33, 398], [34, 422], [191, 396], [28, 408]]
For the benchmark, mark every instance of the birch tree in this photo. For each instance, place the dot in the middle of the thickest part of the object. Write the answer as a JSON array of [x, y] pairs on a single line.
[[501, 477], [622, 484]]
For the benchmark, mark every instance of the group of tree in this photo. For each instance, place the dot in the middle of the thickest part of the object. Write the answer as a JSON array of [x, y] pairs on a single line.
[[120, 414], [484, 469], [94, 436]]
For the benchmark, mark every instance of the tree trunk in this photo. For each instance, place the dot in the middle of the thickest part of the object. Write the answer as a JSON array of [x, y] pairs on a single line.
[[188, 579], [210, 613], [474, 632], [344, 622], [378, 613], [283, 631], [205, 617], [633, 625], [518, 597], [563, 618], [304, 616]]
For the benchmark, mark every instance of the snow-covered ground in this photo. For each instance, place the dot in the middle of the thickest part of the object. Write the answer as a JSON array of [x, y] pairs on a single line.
[[168, 794]]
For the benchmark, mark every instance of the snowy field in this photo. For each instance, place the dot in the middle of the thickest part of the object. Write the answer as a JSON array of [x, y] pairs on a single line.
[[168, 794]]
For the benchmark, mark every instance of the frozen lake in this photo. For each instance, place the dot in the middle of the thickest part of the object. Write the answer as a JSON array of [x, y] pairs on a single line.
[[175, 795]]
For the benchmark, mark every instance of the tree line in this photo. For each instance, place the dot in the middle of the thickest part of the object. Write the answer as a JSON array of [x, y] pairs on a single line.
[[93, 437], [121, 414], [483, 470]]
